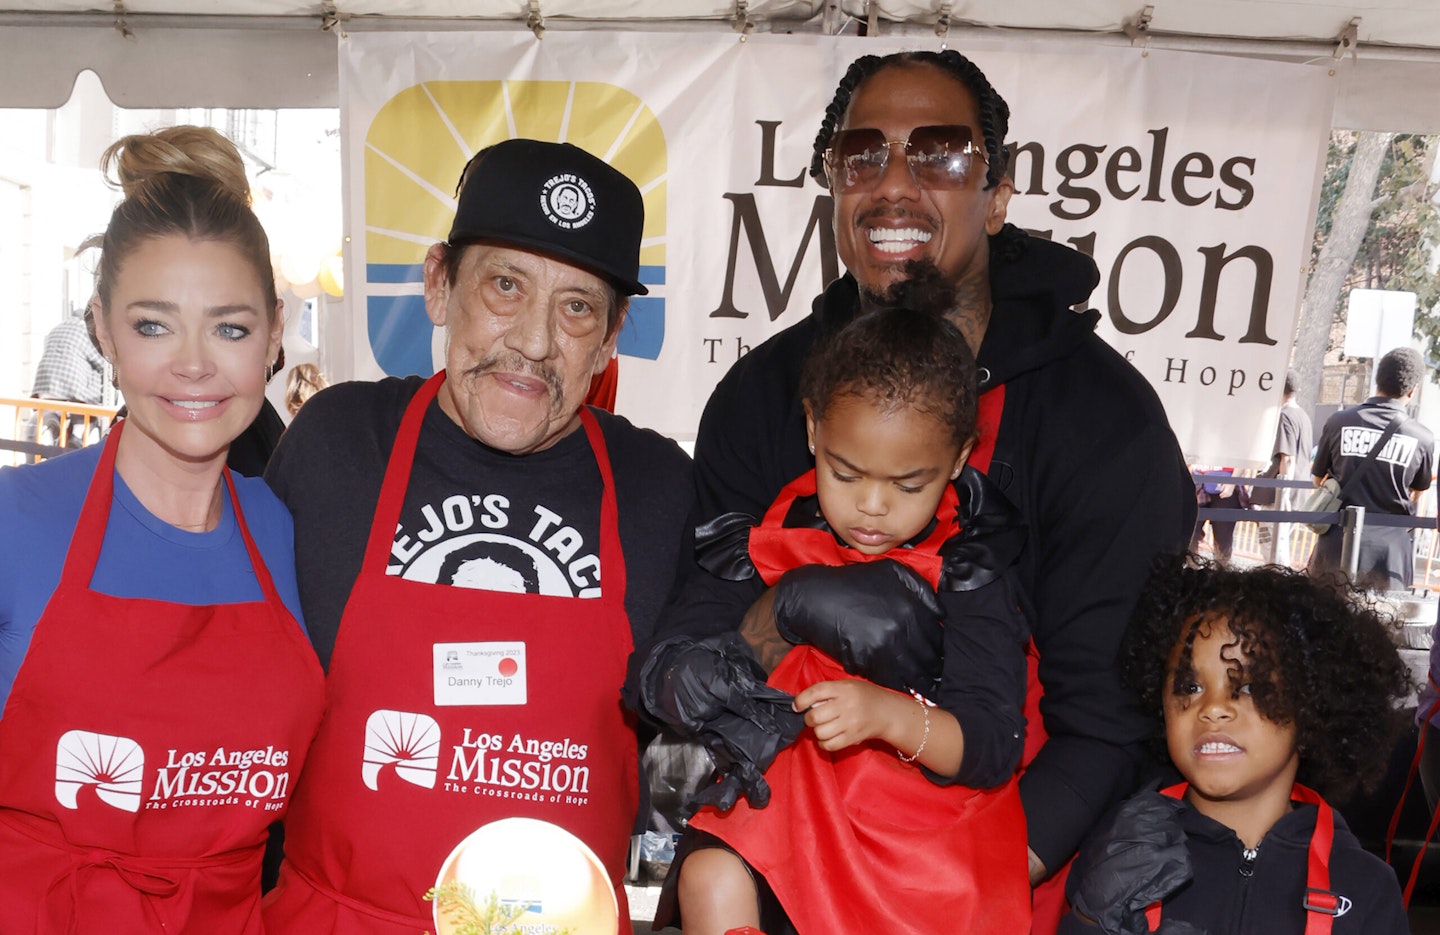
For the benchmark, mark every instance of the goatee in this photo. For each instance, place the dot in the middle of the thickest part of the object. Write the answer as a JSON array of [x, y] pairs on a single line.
[[924, 288]]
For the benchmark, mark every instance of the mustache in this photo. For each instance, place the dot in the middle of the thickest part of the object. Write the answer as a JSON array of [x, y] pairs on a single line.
[[514, 363], [896, 213]]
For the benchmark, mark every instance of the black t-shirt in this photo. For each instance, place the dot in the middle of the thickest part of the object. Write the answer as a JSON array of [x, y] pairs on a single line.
[[474, 516], [1406, 463]]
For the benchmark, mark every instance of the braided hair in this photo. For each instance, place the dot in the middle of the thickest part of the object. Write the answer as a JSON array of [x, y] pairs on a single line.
[[994, 112]]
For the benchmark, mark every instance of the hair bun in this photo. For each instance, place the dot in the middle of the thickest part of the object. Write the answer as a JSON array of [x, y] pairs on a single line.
[[184, 150]]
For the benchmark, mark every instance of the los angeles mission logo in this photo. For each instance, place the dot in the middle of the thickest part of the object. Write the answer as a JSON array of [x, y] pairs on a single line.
[[508, 766], [215, 776]]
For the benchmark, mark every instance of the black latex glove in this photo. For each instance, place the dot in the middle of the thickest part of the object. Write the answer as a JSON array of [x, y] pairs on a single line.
[[1139, 859], [879, 620], [741, 755], [714, 691], [687, 684]]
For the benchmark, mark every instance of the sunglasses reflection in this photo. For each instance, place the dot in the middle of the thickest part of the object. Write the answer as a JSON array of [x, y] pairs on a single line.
[[938, 156]]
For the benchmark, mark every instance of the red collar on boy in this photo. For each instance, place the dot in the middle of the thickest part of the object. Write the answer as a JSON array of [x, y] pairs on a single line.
[[1321, 903]]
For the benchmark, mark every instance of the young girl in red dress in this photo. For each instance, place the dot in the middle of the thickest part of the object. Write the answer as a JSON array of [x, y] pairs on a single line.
[[873, 822]]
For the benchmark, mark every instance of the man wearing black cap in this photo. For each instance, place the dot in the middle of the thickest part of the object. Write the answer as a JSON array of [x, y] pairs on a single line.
[[452, 702]]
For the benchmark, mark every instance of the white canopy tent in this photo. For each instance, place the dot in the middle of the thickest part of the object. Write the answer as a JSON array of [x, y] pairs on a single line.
[[1384, 56], [282, 53]]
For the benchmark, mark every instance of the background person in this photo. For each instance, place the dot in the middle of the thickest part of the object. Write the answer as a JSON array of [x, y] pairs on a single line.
[[304, 381], [386, 479], [71, 370], [1062, 416], [149, 644], [1289, 459], [1392, 485], [1217, 495]]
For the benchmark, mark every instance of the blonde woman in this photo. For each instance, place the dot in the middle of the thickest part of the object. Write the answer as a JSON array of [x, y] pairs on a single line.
[[159, 691]]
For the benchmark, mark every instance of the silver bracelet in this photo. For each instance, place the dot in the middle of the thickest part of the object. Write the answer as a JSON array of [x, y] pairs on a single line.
[[924, 738]]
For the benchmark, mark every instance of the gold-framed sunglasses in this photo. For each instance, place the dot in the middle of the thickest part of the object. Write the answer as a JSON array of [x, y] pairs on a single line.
[[939, 157]]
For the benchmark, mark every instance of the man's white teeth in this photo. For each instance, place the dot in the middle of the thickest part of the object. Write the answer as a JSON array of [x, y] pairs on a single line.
[[897, 240], [195, 403], [1216, 747]]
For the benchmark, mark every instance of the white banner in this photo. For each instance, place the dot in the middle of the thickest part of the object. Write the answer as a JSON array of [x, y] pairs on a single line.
[[1190, 178]]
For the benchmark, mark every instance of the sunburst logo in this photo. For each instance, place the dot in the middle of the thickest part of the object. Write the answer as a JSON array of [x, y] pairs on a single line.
[[113, 765], [414, 151], [410, 741]]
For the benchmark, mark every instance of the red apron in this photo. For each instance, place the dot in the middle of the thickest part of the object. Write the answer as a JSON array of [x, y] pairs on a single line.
[[1048, 903], [1321, 904], [900, 854], [1400, 808], [145, 748], [396, 780]]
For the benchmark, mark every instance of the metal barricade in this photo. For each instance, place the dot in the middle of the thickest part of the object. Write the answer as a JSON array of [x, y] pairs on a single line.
[[1292, 523]]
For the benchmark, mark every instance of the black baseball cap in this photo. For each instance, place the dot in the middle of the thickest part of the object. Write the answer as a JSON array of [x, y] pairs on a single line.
[[560, 200]]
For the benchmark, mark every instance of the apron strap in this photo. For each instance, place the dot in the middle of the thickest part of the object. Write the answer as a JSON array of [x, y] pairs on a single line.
[[612, 559], [1321, 903], [257, 561], [84, 552], [402, 459], [987, 423], [802, 486], [397, 475], [1400, 805]]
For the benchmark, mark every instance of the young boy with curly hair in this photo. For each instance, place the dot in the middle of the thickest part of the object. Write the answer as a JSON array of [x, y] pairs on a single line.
[[1277, 692]]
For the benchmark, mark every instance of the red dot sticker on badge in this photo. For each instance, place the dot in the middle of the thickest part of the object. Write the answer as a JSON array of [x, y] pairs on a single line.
[[508, 667]]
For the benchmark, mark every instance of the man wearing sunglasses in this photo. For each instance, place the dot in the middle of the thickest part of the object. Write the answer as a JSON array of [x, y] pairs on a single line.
[[912, 149]]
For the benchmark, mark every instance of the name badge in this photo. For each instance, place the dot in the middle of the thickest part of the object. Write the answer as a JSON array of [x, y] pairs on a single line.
[[480, 674]]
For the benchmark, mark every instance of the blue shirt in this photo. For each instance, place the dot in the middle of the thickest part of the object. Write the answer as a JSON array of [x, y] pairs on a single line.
[[142, 556]]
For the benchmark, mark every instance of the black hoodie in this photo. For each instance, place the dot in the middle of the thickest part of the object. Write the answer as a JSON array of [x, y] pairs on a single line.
[[1086, 454], [1229, 894]]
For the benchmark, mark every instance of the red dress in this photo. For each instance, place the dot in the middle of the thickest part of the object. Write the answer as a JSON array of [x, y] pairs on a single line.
[[859, 841]]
